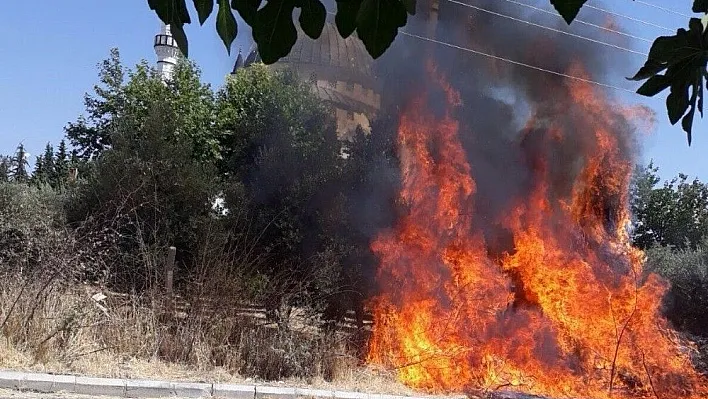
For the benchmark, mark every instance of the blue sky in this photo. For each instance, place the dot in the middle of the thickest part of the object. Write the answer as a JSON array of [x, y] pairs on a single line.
[[48, 58]]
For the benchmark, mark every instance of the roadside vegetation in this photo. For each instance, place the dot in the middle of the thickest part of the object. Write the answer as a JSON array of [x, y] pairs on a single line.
[[247, 182]]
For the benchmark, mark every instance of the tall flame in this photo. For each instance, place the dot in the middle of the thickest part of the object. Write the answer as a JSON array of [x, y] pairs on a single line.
[[568, 312]]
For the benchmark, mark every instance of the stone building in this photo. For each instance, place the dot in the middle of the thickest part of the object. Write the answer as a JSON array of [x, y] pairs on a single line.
[[341, 72]]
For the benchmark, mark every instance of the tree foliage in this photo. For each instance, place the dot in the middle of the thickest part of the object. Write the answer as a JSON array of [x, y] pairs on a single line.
[[682, 58], [19, 165], [158, 154], [671, 225], [122, 91], [674, 214], [687, 271], [91, 134], [147, 190], [281, 159], [52, 168], [4, 168]]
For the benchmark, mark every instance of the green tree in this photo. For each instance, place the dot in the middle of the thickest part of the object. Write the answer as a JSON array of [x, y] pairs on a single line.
[[91, 135], [19, 165], [61, 165], [674, 214], [4, 168], [192, 104], [131, 92], [44, 168], [281, 159], [39, 175], [147, 190], [686, 269]]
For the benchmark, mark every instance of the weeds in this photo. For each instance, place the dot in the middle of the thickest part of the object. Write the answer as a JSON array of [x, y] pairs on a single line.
[[57, 311]]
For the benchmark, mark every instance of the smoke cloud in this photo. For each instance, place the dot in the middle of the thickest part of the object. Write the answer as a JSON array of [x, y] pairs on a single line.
[[499, 97]]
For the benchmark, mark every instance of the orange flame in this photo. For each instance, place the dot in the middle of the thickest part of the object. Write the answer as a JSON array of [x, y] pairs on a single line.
[[568, 313]]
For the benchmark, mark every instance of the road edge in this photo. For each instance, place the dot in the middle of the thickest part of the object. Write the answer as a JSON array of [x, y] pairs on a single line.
[[142, 388]]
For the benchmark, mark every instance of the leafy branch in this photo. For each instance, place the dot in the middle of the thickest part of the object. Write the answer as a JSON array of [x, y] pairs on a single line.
[[375, 21], [682, 58]]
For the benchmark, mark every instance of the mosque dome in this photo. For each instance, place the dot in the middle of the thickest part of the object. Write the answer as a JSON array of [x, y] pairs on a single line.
[[330, 54], [341, 70]]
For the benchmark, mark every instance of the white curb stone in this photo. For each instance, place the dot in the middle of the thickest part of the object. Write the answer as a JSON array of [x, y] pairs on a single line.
[[313, 393], [37, 382], [234, 391], [148, 389], [351, 395], [383, 396], [65, 383], [159, 389], [10, 379], [193, 390], [99, 386], [263, 392]]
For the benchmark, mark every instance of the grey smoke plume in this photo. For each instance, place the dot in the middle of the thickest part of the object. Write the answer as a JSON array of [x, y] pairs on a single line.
[[498, 98]]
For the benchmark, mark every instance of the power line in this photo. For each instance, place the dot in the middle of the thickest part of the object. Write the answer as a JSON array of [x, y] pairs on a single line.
[[663, 8], [547, 27], [579, 21], [629, 18], [518, 63]]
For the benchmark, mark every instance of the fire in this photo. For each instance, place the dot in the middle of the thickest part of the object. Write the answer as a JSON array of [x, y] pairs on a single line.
[[566, 312]]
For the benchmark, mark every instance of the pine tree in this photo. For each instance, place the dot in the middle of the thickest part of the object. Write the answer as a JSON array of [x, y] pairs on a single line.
[[4, 168], [44, 168], [19, 164], [61, 165], [39, 175]]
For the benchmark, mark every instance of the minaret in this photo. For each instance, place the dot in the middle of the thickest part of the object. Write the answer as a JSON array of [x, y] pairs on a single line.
[[167, 52], [239, 63]]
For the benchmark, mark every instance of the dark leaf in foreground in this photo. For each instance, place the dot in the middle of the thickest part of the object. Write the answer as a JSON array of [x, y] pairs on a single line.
[[274, 30], [378, 22], [568, 9]]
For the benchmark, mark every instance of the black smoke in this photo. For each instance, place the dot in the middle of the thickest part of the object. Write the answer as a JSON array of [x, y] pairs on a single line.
[[499, 96]]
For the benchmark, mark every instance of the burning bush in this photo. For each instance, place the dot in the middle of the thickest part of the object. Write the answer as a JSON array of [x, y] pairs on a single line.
[[565, 309]]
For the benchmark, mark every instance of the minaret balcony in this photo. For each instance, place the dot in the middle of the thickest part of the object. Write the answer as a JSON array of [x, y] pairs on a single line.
[[165, 40]]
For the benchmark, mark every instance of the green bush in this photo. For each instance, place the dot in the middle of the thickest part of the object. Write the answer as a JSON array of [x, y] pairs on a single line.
[[25, 207], [144, 194], [31, 221], [686, 303]]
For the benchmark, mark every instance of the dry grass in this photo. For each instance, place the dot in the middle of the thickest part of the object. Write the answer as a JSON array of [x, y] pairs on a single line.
[[55, 328], [52, 320]]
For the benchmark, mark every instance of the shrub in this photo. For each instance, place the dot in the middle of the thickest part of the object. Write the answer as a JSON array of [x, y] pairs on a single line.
[[31, 221], [144, 194], [687, 271]]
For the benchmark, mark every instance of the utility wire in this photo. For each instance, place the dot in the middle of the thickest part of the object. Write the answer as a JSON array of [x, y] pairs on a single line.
[[513, 62], [547, 27], [579, 21], [629, 18], [518, 63], [663, 8]]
